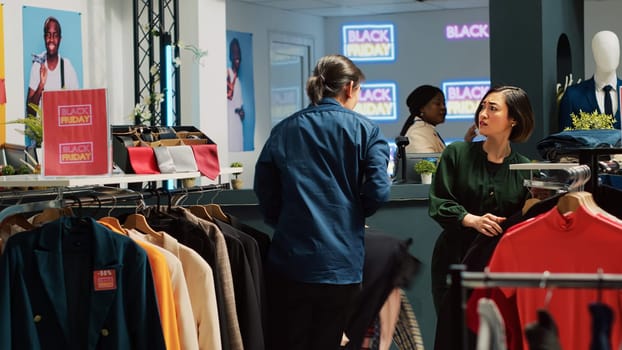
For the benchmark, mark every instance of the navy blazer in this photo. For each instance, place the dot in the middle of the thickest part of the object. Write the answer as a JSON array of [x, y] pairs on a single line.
[[582, 96], [52, 298]]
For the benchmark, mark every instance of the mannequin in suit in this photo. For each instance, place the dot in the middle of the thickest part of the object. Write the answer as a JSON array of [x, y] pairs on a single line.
[[589, 95]]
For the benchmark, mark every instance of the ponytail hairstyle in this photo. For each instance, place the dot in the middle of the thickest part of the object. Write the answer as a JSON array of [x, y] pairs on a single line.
[[330, 75], [416, 100]]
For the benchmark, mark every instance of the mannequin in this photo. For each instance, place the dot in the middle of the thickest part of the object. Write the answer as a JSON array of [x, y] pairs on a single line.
[[589, 95]]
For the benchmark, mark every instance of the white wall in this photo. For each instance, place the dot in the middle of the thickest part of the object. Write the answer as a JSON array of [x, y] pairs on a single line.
[[261, 21]]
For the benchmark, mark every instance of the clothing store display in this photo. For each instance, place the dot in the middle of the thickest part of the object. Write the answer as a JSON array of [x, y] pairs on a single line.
[[248, 283], [165, 160], [582, 97], [207, 240], [543, 334], [118, 311], [188, 295], [186, 327], [201, 289], [479, 252], [565, 143], [584, 241], [247, 296], [183, 157], [143, 160], [206, 156]]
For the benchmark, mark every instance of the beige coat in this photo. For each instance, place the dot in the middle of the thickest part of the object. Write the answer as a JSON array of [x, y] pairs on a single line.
[[423, 138]]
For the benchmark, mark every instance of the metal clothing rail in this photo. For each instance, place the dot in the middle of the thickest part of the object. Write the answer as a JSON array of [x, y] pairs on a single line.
[[541, 280], [460, 280], [15, 202]]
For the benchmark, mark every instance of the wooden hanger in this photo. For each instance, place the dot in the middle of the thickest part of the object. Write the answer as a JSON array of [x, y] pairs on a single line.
[[529, 203], [51, 214], [16, 219], [216, 212], [573, 200], [201, 212], [139, 222], [113, 222]]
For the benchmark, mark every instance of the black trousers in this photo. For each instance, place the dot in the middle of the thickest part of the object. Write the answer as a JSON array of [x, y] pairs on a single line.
[[307, 316]]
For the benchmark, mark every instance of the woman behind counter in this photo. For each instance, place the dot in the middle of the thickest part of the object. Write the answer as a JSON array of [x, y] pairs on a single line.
[[473, 190], [427, 109]]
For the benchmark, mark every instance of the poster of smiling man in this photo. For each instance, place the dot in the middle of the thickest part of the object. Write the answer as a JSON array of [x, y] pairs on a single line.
[[240, 92], [52, 52]]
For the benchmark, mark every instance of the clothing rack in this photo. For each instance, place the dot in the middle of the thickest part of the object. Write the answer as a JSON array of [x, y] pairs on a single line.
[[460, 280], [576, 176], [15, 202]]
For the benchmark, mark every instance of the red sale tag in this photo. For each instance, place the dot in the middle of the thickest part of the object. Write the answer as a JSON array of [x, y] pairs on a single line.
[[104, 280]]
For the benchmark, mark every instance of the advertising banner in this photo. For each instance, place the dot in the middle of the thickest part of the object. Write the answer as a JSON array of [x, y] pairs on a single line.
[[369, 42], [75, 133], [378, 101]]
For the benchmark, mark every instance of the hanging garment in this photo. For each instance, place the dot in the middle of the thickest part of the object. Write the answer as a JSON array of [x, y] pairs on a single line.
[[186, 327], [114, 307], [479, 252], [491, 333], [169, 316], [206, 156], [602, 319], [262, 238], [207, 240], [574, 242], [143, 160], [407, 332], [248, 282], [388, 265], [507, 308], [542, 334], [201, 289]]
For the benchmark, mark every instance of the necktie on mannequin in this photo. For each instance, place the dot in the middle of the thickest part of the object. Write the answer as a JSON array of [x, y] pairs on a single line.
[[608, 104]]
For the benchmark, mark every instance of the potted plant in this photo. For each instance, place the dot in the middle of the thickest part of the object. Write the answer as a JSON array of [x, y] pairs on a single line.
[[236, 183], [33, 125], [33, 129], [425, 168], [590, 121]]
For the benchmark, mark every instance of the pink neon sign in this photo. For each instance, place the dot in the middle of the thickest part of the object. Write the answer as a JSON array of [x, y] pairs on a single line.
[[474, 31]]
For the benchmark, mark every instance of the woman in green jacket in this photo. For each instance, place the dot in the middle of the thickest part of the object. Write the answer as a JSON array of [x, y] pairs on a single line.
[[474, 189]]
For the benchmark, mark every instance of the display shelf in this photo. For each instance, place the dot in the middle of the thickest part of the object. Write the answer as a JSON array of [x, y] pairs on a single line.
[[542, 166], [70, 181]]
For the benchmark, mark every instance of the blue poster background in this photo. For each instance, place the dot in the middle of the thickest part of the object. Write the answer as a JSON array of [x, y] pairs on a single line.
[[248, 87], [34, 43]]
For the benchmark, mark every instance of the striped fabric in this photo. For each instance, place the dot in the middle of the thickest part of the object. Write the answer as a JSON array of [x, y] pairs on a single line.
[[407, 334]]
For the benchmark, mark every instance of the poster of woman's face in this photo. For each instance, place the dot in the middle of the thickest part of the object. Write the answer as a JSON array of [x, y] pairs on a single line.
[[52, 51]]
